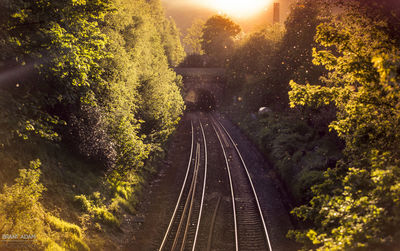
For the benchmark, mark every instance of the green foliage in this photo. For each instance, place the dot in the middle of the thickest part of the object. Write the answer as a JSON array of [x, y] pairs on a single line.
[[71, 243], [252, 59], [170, 35], [298, 152], [61, 52], [295, 149], [357, 205], [19, 202], [104, 70], [217, 39], [66, 46], [172, 45], [96, 208], [83, 203], [62, 226], [126, 193], [257, 50], [105, 216], [192, 39], [22, 213], [265, 62], [143, 95], [298, 41], [88, 85]]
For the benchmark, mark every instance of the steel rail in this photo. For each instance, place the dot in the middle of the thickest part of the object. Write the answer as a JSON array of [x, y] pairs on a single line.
[[204, 185], [251, 184], [230, 184], [185, 208], [181, 193], [212, 224], [190, 198]]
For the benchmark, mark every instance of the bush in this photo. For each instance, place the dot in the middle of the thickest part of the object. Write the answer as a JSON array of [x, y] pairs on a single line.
[[304, 180], [105, 216], [63, 226], [20, 210], [95, 207], [22, 213], [74, 243], [82, 202], [296, 150]]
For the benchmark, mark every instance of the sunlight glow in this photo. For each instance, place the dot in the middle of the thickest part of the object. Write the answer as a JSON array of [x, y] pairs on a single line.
[[238, 8]]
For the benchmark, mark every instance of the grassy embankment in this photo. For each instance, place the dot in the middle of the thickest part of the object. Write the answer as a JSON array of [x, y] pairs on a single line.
[[61, 185], [88, 100], [299, 152]]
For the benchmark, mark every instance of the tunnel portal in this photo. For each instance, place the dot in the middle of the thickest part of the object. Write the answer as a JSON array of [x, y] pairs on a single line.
[[202, 87], [205, 100]]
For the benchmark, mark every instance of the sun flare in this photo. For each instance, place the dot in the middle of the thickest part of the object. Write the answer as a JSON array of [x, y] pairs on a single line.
[[238, 8]]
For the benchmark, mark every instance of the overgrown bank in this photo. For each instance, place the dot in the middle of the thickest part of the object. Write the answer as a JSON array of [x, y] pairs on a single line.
[[296, 142], [333, 137], [298, 153], [89, 98]]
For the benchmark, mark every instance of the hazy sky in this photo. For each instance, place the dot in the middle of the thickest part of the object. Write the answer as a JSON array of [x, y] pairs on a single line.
[[237, 8], [250, 14]]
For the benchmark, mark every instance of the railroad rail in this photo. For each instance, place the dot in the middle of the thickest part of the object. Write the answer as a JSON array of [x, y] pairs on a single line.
[[183, 227], [250, 228]]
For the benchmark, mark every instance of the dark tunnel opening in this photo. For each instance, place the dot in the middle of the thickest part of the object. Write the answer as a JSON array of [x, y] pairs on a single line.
[[205, 101]]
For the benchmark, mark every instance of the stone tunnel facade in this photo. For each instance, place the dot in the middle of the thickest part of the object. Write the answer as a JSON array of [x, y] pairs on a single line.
[[199, 81]]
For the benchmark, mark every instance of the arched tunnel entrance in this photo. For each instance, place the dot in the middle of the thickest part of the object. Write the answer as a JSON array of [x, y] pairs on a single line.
[[200, 100], [203, 87], [205, 100]]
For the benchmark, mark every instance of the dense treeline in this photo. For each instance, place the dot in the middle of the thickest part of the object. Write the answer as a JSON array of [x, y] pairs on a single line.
[[210, 43], [296, 141], [89, 79], [357, 205], [274, 55], [336, 146]]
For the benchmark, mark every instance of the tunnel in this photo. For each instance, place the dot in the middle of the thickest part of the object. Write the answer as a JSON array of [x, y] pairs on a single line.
[[200, 100], [205, 100]]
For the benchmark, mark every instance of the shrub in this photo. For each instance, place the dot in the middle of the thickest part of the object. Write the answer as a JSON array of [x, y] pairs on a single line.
[[82, 202], [22, 213], [63, 226], [19, 207], [74, 243], [95, 207], [105, 216]]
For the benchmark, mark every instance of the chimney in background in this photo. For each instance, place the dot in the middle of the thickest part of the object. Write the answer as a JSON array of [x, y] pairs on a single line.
[[276, 13]]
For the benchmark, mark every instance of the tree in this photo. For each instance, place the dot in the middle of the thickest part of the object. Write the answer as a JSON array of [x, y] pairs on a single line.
[[357, 206], [172, 43], [298, 41], [142, 96], [169, 33], [251, 63], [293, 59], [273, 57], [218, 39], [87, 79], [192, 39], [254, 54], [91, 63]]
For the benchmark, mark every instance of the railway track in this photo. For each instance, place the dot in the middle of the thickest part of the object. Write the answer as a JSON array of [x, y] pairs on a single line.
[[186, 231], [183, 229], [250, 228]]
